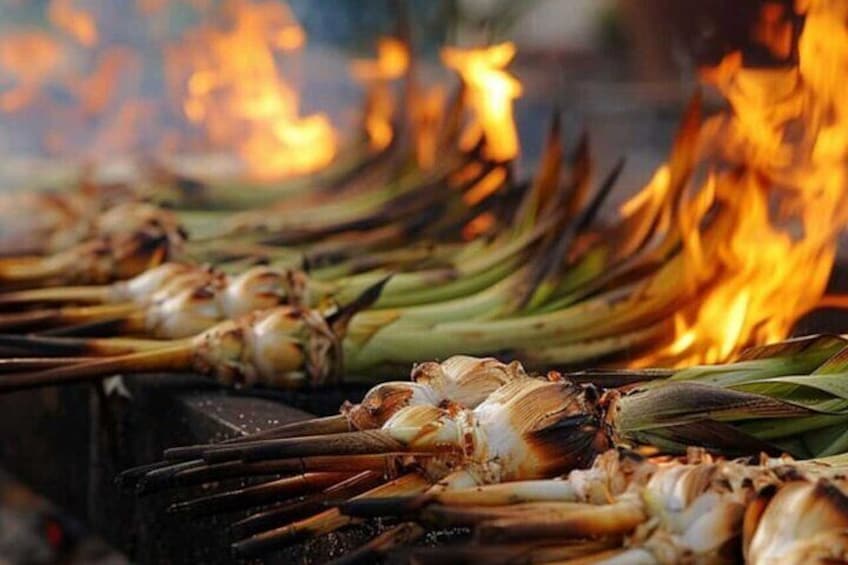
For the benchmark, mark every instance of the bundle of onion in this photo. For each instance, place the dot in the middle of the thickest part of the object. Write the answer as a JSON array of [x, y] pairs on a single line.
[[382, 226], [529, 428], [459, 381], [335, 245], [289, 333], [377, 211], [40, 221], [127, 240], [550, 278], [175, 301], [627, 509], [380, 208], [44, 223]]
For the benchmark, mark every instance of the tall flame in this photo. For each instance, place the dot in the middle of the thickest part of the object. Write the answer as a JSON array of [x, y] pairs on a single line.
[[28, 58], [490, 93], [427, 113], [781, 194], [74, 21], [391, 63], [236, 92]]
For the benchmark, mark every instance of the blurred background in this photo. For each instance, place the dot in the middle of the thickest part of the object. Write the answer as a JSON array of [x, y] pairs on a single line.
[[98, 81]]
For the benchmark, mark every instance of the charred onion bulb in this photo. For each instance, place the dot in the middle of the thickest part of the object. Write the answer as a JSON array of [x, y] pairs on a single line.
[[129, 239], [651, 511], [171, 301], [38, 223]]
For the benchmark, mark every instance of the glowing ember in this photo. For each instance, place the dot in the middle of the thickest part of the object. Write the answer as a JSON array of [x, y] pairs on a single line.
[[233, 88], [391, 63], [781, 201], [490, 92]]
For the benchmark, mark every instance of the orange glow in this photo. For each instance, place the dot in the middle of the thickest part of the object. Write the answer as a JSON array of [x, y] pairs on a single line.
[[485, 187], [229, 80], [150, 7], [97, 89], [74, 21], [774, 30], [378, 118], [290, 38], [29, 57], [490, 93], [654, 195], [478, 226], [427, 113], [391, 63], [765, 257], [467, 173]]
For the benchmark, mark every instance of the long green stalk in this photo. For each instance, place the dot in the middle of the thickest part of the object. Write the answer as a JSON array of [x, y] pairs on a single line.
[[302, 225], [790, 395], [241, 194]]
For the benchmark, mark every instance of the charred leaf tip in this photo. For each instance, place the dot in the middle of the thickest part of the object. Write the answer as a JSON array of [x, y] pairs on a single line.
[[265, 542]]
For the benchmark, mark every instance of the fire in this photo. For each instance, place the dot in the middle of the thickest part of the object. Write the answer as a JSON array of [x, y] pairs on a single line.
[[28, 57], [764, 257], [230, 81], [485, 187], [490, 93], [391, 63], [655, 196], [74, 21], [232, 87], [427, 112]]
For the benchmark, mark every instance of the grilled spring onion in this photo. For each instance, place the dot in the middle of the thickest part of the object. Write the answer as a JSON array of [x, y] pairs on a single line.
[[38, 222], [379, 228], [43, 223], [533, 428], [298, 341], [130, 238], [459, 381], [554, 310], [377, 223], [543, 283], [627, 509], [174, 301]]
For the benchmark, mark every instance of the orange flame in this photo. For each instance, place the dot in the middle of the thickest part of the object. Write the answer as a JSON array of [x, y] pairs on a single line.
[[490, 93], [391, 63], [236, 92], [764, 259], [29, 57], [427, 113], [74, 21]]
